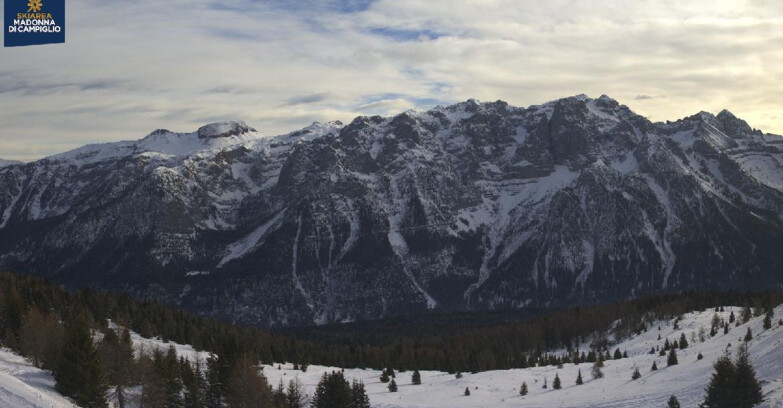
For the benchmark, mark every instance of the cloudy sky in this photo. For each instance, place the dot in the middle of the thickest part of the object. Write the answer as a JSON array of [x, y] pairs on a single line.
[[132, 66]]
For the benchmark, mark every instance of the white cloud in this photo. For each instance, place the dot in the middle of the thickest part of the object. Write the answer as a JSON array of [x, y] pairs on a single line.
[[132, 66]]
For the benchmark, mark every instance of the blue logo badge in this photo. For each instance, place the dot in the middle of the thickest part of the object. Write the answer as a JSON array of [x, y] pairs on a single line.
[[33, 22]]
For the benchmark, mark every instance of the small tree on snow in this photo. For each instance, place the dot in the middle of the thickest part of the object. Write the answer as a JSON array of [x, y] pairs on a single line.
[[597, 373], [672, 359], [636, 374], [673, 402], [556, 383], [579, 378], [523, 389]]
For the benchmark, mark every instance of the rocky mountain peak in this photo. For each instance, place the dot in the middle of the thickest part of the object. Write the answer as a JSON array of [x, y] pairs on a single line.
[[468, 206], [223, 129]]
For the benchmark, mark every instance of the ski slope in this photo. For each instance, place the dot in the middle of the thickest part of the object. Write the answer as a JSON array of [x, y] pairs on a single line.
[[687, 380], [24, 386]]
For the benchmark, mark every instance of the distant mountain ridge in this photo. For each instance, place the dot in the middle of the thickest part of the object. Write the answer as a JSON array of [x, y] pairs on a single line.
[[4, 162], [469, 206]]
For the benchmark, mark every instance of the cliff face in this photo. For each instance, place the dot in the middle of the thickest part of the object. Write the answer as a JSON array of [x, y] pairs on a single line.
[[471, 206]]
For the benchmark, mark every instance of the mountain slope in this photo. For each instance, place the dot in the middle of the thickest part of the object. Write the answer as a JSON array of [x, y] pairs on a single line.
[[686, 380], [470, 206], [4, 163], [24, 386]]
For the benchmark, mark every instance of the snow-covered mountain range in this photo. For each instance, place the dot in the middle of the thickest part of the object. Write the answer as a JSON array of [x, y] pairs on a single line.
[[470, 206]]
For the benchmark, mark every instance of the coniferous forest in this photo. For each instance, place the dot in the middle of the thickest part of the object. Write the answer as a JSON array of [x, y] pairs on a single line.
[[56, 329]]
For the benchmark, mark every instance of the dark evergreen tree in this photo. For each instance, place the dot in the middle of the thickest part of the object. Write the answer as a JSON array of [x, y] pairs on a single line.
[[673, 402], [768, 320], [416, 377], [636, 374], [458, 375], [523, 389], [726, 329], [672, 359], [117, 357], [617, 354], [719, 392], [546, 385], [216, 385], [654, 366], [193, 384], [597, 366], [79, 372], [385, 377], [745, 385], [295, 396], [360, 398], [556, 383], [748, 335], [392, 386], [683, 342], [246, 386], [699, 357], [579, 380], [467, 391], [731, 317], [333, 391]]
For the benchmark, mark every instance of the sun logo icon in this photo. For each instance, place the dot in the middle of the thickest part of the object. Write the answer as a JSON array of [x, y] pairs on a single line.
[[35, 5]]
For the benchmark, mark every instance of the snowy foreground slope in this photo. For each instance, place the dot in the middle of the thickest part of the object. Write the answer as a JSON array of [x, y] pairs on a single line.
[[687, 380], [24, 386]]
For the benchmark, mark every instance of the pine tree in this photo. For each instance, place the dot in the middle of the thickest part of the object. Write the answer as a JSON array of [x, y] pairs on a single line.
[[673, 402], [636, 374], [458, 375], [726, 329], [666, 345], [385, 377], [731, 317], [556, 383], [523, 389], [392, 386], [79, 373], [748, 335], [246, 386], [719, 393], [295, 395], [746, 387], [683, 342], [416, 377], [360, 398], [117, 357], [467, 391], [597, 373], [333, 391], [579, 378], [768, 320], [654, 366], [617, 354], [747, 314], [193, 384], [699, 357], [545, 386], [672, 359]]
